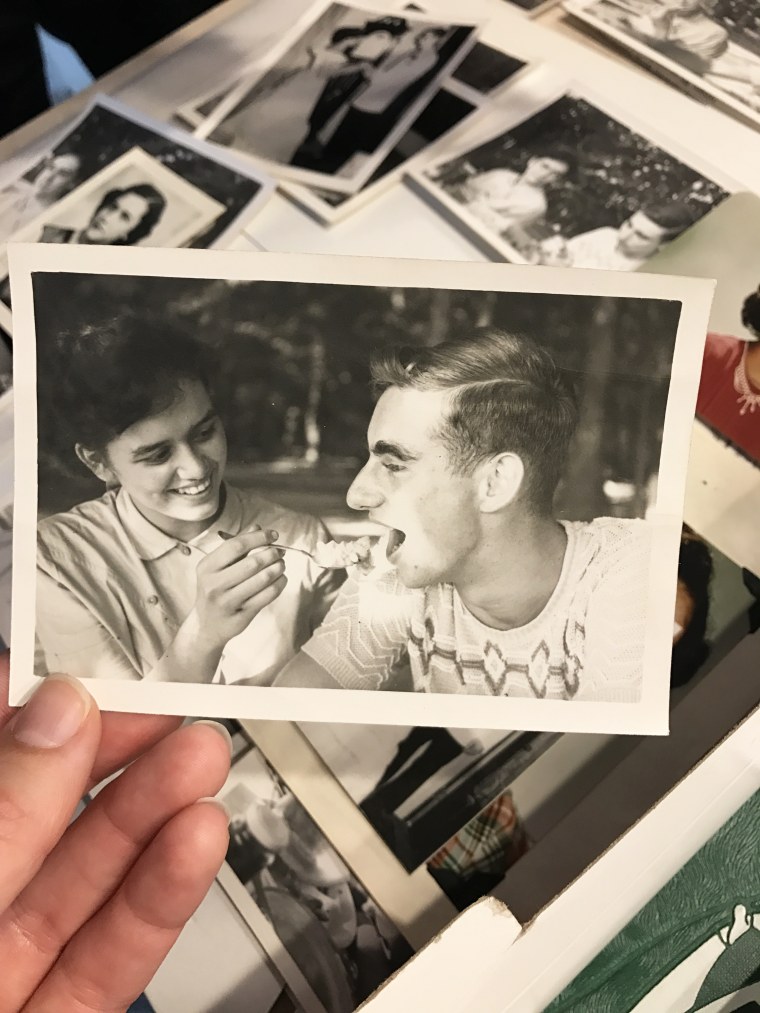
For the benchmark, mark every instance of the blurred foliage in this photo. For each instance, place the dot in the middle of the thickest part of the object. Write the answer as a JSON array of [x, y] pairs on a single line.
[[292, 380], [618, 172]]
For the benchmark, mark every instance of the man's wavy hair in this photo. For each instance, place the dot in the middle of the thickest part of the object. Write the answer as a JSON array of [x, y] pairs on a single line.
[[507, 395]]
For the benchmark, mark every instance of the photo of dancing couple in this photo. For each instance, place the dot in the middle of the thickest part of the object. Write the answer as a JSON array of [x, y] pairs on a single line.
[[334, 102], [459, 505]]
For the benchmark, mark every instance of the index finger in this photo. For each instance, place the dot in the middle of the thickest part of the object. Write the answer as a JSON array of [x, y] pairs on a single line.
[[236, 547]]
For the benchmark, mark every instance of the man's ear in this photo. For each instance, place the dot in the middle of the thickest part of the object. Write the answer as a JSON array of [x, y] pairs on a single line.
[[96, 462], [500, 482]]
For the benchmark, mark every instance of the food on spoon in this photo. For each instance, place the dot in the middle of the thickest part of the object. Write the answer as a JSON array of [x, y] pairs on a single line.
[[339, 555]]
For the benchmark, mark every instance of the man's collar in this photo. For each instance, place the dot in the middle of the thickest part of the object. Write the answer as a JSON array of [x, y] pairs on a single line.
[[152, 543]]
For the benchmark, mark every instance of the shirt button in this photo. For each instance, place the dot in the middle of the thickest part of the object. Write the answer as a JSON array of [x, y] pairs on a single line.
[[153, 600], [185, 550]]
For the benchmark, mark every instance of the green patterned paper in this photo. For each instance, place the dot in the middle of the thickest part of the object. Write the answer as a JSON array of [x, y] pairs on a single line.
[[696, 944]]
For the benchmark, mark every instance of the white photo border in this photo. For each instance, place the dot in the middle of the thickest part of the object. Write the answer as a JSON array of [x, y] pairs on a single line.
[[649, 715]]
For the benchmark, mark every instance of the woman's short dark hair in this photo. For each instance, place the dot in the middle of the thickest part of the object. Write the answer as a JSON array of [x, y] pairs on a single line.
[[156, 206], [507, 395], [392, 25], [559, 153], [103, 378]]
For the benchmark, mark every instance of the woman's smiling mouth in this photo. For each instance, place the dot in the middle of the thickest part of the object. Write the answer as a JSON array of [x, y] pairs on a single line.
[[197, 489]]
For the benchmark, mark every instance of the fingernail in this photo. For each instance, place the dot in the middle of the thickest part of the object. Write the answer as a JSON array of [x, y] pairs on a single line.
[[54, 714], [218, 727], [211, 800]]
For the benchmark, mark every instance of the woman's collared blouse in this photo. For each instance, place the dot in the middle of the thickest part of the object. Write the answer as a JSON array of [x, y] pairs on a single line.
[[113, 590]]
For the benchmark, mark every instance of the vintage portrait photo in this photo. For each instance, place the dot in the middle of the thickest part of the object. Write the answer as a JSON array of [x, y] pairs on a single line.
[[418, 787], [341, 941], [711, 44], [443, 489], [107, 130], [133, 201], [332, 103], [570, 186], [456, 102], [723, 500]]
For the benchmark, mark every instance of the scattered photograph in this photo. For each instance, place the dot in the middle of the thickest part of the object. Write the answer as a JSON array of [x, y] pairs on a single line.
[[134, 201], [532, 7], [109, 129], [711, 44], [457, 101], [209, 518], [417, 787], [338, 937], [724, 472], [338, 96], [570, 186], [696, 944]]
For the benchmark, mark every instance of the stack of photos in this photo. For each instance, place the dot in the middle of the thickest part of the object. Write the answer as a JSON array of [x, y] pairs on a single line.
[[457, 102], [569, 184], [711, 46], [483, 71], [494, 579], [723, 485], [119, 178], [334, 933], [335, 97]]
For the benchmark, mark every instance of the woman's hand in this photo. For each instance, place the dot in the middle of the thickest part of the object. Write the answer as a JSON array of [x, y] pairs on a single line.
[[89, 910], [235, 582]]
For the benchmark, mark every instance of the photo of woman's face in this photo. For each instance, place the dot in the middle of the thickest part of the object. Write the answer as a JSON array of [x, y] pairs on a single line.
[[172, 463]]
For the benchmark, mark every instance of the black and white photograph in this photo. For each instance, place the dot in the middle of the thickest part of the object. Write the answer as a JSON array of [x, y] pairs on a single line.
[[336, 934], [134, 201], [570, 186], [109, 129], [334, 99], [418, 787], [456, 104], [713, 45], [723, 490], [333, 476]]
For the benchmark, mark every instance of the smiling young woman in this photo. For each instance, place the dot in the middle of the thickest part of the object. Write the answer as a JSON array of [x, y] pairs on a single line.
[[145, 582]]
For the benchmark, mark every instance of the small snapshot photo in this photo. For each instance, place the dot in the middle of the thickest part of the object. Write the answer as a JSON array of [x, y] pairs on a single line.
[[134, 201], [419, 786], [711, 44], [458, 99], [723, 500], [396, 492], [336, 934], [106, 131], [331, 106], [570, 187]]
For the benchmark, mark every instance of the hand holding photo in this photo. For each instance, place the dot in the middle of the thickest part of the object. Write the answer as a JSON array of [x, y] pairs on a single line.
[[527, 454]]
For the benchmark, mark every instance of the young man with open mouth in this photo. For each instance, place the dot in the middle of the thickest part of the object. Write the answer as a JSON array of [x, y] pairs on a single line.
[[487, 592]]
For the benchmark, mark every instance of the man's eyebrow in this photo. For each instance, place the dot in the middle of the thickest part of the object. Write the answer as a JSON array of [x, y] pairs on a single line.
[[149, 448], [382, 448]]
